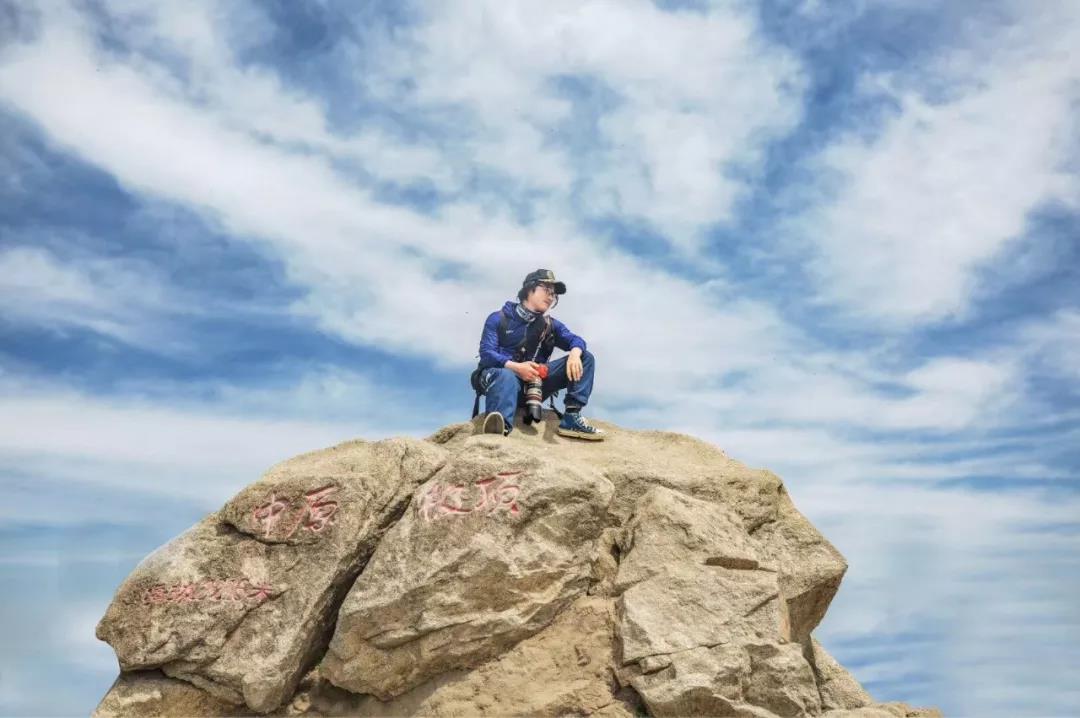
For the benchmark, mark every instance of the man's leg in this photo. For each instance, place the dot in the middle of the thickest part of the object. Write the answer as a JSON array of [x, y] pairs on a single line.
[[577, 394], [502, 388]]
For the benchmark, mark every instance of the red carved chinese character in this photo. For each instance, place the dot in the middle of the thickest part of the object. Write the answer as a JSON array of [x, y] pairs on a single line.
[[508, 494], [204, 589], [487, 500], [429, 502], [260, 592], [496, 492], [228, 590], [451, 501], [269, 513], [185, 593], [156, 594], [320, 512]]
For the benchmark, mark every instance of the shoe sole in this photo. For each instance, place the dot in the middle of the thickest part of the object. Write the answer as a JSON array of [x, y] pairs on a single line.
[[495, 424], [579, 435]]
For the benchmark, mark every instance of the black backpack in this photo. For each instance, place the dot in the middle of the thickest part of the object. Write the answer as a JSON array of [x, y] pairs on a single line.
[[539, 336]]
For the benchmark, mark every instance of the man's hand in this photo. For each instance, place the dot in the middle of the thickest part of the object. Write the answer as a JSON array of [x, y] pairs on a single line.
[[573, 365], [526, 370]]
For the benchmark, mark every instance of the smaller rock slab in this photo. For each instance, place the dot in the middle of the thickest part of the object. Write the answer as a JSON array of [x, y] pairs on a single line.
[[242, 603], [691, 576], [839, 689], [151, 694], [492, 548]]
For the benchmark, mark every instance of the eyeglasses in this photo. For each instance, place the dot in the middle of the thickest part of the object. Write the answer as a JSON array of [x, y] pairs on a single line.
[[547, 288]]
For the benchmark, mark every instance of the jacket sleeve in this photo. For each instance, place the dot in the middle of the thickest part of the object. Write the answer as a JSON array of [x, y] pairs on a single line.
[[566, 339], [491, 354]]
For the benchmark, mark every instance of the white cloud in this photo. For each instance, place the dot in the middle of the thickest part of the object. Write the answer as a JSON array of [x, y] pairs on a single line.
[[368, 266], [977, 143], [111, 297], [169, 444], [695, 97], [73, 631], [976, 576], [252, 100]]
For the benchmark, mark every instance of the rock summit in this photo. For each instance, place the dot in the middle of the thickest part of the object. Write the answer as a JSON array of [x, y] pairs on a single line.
[[477, 575]]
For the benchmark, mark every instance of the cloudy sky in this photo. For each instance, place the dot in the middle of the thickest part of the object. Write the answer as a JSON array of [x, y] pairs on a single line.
[[837, 238]]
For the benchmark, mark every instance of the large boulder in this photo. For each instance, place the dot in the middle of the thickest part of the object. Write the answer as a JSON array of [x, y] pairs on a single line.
[[241, 604], [484, 575], [494, 546]]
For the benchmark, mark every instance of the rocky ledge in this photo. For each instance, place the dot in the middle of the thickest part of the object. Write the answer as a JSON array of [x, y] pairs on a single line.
[[468, 575]]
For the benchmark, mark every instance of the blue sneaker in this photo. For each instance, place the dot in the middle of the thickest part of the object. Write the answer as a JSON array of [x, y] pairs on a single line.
[[574, 424]]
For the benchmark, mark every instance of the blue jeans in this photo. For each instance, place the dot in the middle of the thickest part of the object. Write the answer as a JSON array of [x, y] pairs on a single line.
[[503, 390]]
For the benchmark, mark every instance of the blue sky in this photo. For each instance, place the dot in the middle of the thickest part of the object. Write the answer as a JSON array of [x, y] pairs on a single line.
[[838, 239]]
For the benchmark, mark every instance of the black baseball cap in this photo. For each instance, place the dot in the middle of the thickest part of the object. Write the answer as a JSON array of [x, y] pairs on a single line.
[[544, 275]]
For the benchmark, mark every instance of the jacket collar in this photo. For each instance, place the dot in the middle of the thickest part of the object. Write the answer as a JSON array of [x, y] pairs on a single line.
[[525, 314]]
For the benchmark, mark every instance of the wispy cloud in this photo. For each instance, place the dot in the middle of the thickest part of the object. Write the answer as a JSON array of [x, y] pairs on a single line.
[[113, 298], [186, 441], [975, 140], [665, 121]]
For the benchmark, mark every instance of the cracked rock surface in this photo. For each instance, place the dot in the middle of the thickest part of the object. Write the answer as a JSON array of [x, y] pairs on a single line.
[[240, 604], [475, 575], [494, 546]]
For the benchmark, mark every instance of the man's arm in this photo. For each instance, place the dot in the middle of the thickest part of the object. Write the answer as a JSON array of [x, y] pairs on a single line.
[[566, 339], [491, 354]]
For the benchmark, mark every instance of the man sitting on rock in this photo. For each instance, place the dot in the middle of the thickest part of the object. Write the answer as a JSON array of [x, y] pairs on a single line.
[[514, 347]]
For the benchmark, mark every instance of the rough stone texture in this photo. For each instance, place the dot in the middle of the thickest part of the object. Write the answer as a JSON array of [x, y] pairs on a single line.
[[563, 670], [241, 603], [703, 617], [732, 680], [494, 546], [670, 529], [636, 461], [839, 689], [781, 680], [147, 694], [810, 567], [690, 576], [675, 613], [884, 710], [700, 681], [529, 575]]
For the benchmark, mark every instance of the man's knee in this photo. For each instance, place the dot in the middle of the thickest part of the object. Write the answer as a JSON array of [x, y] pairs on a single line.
[[587, 357], [501, 376]]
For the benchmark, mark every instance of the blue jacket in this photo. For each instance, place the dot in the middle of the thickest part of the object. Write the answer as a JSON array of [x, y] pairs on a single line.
[[496, 350]]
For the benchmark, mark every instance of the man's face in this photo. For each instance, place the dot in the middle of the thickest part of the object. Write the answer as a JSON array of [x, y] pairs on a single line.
[[541, 297]]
